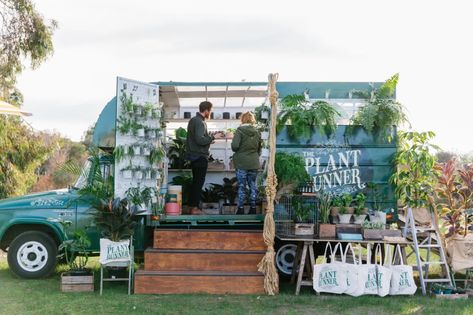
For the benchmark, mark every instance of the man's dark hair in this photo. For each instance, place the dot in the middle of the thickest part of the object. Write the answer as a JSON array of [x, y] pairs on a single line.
[[205, 105]]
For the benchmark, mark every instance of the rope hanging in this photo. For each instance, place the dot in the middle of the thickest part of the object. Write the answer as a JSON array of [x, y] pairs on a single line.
[[267, 266]]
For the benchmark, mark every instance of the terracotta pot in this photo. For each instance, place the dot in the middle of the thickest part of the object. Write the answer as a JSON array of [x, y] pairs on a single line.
[[172, 208], [334, 211]]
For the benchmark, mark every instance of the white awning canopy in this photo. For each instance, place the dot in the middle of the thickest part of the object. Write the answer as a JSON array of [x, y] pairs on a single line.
[[8, 109]]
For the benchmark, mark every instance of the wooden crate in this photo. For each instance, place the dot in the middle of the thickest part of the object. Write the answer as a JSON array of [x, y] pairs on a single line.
[[304, 229], [453, 296], [327, 231], [373, 234], [77, 283]]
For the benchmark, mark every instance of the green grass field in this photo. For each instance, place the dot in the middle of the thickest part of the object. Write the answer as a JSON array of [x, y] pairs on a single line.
[[19, 296]]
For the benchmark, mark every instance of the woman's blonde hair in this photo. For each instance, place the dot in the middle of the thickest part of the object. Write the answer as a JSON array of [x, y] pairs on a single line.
[[248, 118]]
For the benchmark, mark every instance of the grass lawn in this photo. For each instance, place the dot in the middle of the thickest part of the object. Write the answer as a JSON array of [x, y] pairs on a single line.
[[19, 296]]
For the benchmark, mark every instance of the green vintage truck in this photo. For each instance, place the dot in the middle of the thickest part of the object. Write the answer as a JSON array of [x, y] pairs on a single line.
[[30, 231]]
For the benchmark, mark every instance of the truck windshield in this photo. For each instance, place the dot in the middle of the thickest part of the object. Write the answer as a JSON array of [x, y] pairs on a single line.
[[84, 174]]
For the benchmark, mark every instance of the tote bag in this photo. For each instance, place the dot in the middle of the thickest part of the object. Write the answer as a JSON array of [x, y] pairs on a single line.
[[402, 279], [377, 279], [354, 273], [330, 277]]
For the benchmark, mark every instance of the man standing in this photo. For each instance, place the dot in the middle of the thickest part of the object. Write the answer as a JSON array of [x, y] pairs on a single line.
[[198, 145]]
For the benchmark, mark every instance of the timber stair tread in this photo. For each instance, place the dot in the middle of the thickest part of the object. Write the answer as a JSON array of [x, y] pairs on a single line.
[[199, 273], [203, 251]]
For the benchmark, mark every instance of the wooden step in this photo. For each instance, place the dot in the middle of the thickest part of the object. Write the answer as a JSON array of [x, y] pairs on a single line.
[[201, 260], [209, 239], [161, 282]]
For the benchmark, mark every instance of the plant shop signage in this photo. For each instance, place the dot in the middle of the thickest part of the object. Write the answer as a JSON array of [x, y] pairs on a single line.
[[340, 173], [114, 251]]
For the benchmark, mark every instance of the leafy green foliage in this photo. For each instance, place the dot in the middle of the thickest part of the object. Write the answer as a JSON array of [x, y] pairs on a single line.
[[415, 174], [302, 210], [382, 112], [24, 35], [138, 196], [359, 203], [184, 179], [75, 249], [177, 150], [212, 193], [367, 225], [230, 189], [325, 203], [115, 219], [22, 152], [304, 116], [290, 171]]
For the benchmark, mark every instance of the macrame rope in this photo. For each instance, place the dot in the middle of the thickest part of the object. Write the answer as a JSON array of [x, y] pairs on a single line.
[[267, 266]]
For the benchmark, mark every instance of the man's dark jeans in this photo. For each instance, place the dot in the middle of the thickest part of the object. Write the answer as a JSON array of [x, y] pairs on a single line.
[[199, 170]]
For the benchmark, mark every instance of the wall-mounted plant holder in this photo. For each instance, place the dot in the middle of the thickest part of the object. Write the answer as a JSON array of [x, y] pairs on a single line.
[[146, 151], [265, 135], [138, 174], [238, 115], [140, 132], [136, 150], [265, 114], [151, 134], [127, 174], [187, 115], [137, 110], [226, 115], [149, 174]]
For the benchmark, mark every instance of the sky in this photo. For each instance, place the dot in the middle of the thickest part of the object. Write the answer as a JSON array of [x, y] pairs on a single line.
[[428, 42]]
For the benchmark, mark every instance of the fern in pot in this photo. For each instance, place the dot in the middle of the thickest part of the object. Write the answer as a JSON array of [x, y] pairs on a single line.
[[360, 209]]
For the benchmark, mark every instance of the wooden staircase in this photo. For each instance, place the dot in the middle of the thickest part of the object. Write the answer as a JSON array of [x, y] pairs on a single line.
[[202, 261]]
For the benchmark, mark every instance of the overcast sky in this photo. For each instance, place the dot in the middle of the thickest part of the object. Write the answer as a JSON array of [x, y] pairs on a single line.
[[428, 42]]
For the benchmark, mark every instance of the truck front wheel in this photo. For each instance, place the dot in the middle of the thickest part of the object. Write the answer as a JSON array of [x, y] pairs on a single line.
[[32, 255]]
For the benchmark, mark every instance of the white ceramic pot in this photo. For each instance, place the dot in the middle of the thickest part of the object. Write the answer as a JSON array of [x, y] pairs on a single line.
[[344, 218], [359, 219], [151, 134], [265, 135], [141, 132], [149, 175], [146, 151], [265, 115], [136, 150], [127, 174]]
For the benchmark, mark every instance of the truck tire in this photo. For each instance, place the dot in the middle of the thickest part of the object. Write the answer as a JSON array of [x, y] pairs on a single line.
[[32, 255], [284, 258]]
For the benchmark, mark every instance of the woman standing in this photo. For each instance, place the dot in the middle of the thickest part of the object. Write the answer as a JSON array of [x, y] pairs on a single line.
[[246, 144]]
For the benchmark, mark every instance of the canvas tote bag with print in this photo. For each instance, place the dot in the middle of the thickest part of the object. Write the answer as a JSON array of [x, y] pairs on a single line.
[[114, 251], [402, 279], [354, 273], [330, 277], [377, 280]]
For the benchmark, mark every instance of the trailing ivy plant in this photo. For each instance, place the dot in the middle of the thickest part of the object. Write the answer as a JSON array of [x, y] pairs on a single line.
[[415, 173], [382, 112], [304, 116]]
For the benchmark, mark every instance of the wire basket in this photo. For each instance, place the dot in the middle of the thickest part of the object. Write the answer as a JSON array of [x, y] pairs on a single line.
[[285, 218]]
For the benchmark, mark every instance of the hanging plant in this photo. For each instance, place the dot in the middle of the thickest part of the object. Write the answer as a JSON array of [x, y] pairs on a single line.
[[119, 153], [290, 171], [382, 112], [156, 156], [303, 116]]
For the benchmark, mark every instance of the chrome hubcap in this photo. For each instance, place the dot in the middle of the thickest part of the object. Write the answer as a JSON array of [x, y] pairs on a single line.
[[285, 258]]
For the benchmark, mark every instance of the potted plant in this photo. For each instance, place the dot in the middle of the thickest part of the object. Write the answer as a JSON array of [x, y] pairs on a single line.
[[148, 110], [210, 198], [337, 203], [382, 112], [138, 173], [373, 230], [147, 150], [136, 149], [265, 133], [119, 153], [360, 210], [177, 150], [262, 113], [127, 172], [302, 213], [229, 193], [302, 116], [290, 171], [265, 152], [229, 133], [326, 230], [156, 155], [78, 278]]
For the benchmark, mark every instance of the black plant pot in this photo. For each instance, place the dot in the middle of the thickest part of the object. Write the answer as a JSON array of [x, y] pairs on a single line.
[[238, 115], [187, 115], [226, 115], [211, 115]]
